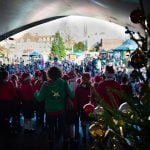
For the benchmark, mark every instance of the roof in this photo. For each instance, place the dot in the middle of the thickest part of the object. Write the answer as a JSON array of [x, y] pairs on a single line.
[[34, 53], [127, 45]]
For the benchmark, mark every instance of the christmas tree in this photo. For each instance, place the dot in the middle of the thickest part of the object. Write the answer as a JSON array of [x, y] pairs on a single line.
[[127, 127]]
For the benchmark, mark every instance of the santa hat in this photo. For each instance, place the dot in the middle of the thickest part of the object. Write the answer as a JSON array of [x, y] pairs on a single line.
[[109, 72], [25, 77], [71, 74], [78, 81], [97, 79], [66, 77], [86, 76]]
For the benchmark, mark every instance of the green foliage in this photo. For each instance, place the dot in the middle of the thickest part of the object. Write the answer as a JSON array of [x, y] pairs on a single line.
[[93, 50], [79, 46], [129, 129], [58, 48]]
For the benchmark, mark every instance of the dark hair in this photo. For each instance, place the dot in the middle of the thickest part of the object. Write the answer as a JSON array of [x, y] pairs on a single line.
[[14, 77], [2, 69], [3, 76], [124, 79], [44, 77], [55, 59], [110, 69], [134, 74], [36, 74], [54, 73]]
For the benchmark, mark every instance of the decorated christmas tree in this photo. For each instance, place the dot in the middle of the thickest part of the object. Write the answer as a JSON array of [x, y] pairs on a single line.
[[127, 127]]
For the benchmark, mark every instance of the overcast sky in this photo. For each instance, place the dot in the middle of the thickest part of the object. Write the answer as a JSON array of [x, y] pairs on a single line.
[[77, 26]]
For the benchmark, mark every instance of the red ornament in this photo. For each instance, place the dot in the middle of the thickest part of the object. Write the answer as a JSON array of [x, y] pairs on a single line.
[[88, 108], [137, 16], [78, 81]]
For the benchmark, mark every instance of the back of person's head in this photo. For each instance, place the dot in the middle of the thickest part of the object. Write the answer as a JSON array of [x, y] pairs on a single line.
[[109, 72], [37, 73], [103, 76], [3, 76], [86, 77], [134, 75], [124, 79], [2, 69], [14, 77], [109, 69], [54, 73], [26, 77], [44, 76]]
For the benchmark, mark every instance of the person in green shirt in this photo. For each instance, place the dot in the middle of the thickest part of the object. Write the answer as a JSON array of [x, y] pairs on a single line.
[[54, 93]]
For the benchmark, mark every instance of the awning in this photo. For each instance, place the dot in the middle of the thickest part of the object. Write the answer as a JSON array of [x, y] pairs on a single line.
[[127, 45], [34, 53]]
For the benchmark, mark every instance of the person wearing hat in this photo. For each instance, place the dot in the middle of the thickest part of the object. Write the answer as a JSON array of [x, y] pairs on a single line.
[[97, 80], [66, 77], [7, 96], [72, 80], [37, 82], [83, 96], [78, 81], [37, 76], [27, 97], [109, 88], [70, 113]]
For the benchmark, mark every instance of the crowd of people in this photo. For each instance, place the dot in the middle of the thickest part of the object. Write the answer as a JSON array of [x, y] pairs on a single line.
[[34, 92]]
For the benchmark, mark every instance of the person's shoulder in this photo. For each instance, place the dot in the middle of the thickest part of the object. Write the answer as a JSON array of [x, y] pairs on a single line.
[[8, 84], [54, 83], [102, 83], [46, 83], [115, 83], [62, 81]]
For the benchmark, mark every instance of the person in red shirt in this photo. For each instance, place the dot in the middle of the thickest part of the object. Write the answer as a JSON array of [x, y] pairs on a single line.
[[78, 81], [39, 106], [97, 80], [37, 76], [27, 98], [83, 96], [109, 89], [7, 95]]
